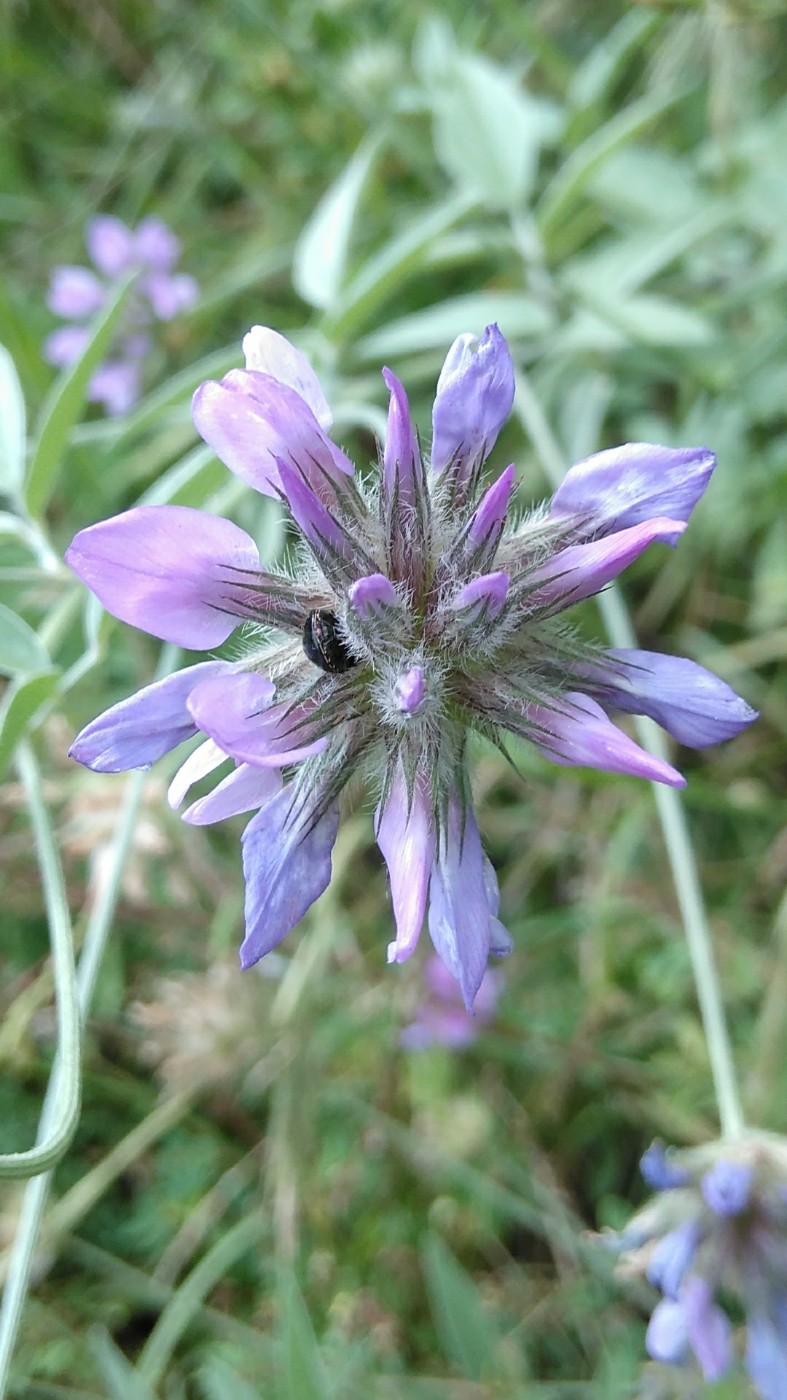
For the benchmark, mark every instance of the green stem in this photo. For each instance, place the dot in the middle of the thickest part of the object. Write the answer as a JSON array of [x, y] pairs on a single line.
[[680, 852]]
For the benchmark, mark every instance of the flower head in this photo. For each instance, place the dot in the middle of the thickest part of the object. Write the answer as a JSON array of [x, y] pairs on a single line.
[[77, 293], [421, 612], [717, 1229]]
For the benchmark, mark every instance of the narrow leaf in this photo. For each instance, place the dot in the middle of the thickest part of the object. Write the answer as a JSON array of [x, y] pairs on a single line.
[[303, 1378], [21, 649], [12, 427], [467, 1335], [320, 259], [20, 703]]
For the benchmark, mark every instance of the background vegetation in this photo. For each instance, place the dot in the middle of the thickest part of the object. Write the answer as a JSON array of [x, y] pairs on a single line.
[[267, 1195]]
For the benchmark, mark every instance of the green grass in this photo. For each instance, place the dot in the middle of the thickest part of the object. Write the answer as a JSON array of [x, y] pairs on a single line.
[[265, 1195]]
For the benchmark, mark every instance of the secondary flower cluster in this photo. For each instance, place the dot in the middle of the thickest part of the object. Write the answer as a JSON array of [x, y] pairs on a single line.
[[718, 1227], [442, 1017], [420, 610], [77, 293]]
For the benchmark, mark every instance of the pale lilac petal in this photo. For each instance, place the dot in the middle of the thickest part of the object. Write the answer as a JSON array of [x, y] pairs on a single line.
[[406, 837], [155, 245], [483, 597], [709, 1328], [253, 423], [203, 760], [270, 353], [766, 1354], [409, 690], [168, 570], [117, 385], [628, 485], [672, 1256], [243, 721], [689, 702], [474, 396], [500, 941], [402, 468], [659, 1172], [66, 345], [137, 731], [442, 1018], [372, 596], [487, 523], [287, 865], [320, 527], [584, 569], [110, 244], [727, 1187], [169, 296], [459, 913], [75, 293], [576, 731], [667, 1337], [243, 790]]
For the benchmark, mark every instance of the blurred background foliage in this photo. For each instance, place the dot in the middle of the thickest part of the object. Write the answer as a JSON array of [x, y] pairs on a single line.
[[266, 1195]]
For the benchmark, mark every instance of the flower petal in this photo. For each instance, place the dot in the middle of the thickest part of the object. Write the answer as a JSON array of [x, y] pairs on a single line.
[[236, 711], [253, 422], [667, 1337], [110, 244], [66, 345], [169, 570], [405, 835], [709, 1328], [137, 731], [409, 690], [459, 914], [155, 245], [403, 472], [628, 485], [482, 597], [327, 537], [727, 1187], [372, 596], [246, 788], [75, 293], [575, 731], [205, 759], [270, 353], [474, 396], [689, 702], [584, 569], [169, 296], [766, 1353], [672, 1256], [659, 1171], [287, 865], [486, 525], [117, 385]]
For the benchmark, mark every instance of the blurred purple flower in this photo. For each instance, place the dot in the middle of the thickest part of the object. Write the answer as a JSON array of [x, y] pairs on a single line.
[[77, 293], [718, 1227], [423, 613], [442, 1017]]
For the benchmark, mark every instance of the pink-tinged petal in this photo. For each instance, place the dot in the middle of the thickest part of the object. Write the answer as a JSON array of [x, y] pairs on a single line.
[[270, 353], [169, 296], [253, 423], [287, 865], [766, 1350], [203, 760], [372, 596], [459, 913], [237, 712], [409, 690], [474, 396], [241, 791], [583, 569], [405, 835], [110, 244], [442, 1018], [628, 485], [577, 733], [117, 385], [155, 245], [168, 570], [403, 473], [667, 1337], [66, 346], [137, 731], [710, 1332], [486, 525], [689, 702], [483, 597], [75, 293], [321, 528]]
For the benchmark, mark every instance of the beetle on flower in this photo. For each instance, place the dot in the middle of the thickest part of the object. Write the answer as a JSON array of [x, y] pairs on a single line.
[[421, 611]]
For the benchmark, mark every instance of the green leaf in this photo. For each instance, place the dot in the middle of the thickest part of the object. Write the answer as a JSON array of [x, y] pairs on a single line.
[[434, 328], [119, 1376], [303, 1378], [21, 649], [12, 427], [20, 703], [320, 258], [65, 403], [467, 1335]]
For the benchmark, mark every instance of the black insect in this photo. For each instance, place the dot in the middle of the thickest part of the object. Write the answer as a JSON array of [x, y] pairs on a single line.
[[323, 642]]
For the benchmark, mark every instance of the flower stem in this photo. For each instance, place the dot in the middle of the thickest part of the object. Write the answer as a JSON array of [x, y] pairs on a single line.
[[680, 852]]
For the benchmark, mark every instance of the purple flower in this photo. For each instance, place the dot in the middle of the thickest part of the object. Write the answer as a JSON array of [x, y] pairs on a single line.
[[442, 1017], [421, 612], [718, 1227], [77, 293]]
